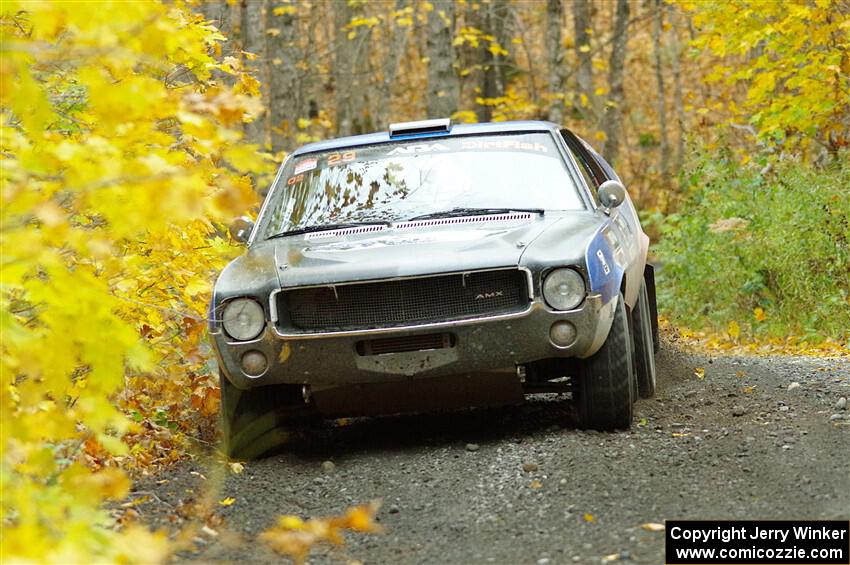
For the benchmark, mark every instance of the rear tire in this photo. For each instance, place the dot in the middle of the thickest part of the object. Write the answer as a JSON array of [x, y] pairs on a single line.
[[255, 421], [644, 346], [603, 389]]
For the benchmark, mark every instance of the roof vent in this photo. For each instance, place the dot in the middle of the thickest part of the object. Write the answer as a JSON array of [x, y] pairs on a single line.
[[422, 127]]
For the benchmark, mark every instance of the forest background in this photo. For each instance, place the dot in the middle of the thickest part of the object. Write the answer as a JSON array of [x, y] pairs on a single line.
[[728, 121]]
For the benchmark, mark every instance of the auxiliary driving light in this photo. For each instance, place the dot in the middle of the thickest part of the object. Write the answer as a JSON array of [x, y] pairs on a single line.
[[254, 363], [562, 333]]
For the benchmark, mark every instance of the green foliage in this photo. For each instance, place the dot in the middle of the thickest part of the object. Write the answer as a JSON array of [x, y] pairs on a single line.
[[768, 250]]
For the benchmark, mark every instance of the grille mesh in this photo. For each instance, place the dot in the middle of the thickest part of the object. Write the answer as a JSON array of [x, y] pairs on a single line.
[[403, 302]]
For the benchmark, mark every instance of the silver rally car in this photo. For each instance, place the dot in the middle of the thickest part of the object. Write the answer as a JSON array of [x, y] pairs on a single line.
[[435, 266]]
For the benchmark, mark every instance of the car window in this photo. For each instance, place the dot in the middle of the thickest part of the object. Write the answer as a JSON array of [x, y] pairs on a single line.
[[585, 172], [399, 180], [601, 163]]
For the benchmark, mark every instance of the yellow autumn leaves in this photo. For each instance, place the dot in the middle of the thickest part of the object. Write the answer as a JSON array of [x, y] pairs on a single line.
[[296, 537], [119, 157], [792, 59]]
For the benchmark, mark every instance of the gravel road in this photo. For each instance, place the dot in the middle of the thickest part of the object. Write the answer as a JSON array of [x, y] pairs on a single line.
[[519, 485]]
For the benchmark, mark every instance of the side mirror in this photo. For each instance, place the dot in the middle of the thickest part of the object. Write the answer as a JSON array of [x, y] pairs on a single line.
[[240, 229], [611, 193]]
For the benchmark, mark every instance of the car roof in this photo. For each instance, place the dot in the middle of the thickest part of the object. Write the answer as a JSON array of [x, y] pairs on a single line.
[[455, 130]]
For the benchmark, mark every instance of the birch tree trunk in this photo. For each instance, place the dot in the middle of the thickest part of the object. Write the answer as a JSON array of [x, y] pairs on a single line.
[[612, 117], [443, 84], [555, 50], [584, 74], [657, 25]]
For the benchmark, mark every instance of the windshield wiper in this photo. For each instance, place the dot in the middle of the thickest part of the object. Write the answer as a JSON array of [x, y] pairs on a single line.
[[326, 227], [474, 212]]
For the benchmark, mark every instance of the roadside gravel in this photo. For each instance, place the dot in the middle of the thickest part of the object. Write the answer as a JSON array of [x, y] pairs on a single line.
[[521, 485]]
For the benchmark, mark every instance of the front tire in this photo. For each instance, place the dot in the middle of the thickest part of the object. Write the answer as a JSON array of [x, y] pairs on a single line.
[[644, 345], [603, 391], [255, 421]]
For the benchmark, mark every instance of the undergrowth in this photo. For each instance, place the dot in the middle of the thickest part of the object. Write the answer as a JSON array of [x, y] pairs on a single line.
[[767, 248]]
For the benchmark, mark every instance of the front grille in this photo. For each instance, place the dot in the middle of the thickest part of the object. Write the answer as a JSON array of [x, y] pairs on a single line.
[[403, 302], [405, 344]]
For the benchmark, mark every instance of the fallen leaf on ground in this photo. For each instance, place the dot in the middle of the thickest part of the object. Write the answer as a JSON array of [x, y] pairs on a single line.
[[227, 501], [589, 517], [699, 372], [734, 330], [653, 527]]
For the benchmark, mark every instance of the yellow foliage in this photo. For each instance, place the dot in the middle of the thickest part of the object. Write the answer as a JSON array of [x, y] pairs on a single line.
[[791, 56], [114, 179], [295, 537]]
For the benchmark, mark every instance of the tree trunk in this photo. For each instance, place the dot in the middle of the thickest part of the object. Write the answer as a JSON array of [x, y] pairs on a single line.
[[343, 59], [555, 50], [397, 45], [584, 75], [443, 84], [285, 100], [492, 78], [613, 116], [657, 25], [351, 70], [226, 18], [254, 41], [678, 95]]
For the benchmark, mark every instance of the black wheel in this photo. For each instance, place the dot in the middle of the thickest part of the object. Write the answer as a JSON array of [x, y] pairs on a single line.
[[644, 345], [256, 421], [603, 387]]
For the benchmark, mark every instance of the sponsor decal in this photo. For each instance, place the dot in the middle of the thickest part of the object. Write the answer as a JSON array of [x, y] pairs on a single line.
[[503, 144], [419, 148], [306, 165], [601, 256]]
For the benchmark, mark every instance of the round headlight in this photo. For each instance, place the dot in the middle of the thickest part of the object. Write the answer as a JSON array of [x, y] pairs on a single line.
[[563, 289], [243, 319]]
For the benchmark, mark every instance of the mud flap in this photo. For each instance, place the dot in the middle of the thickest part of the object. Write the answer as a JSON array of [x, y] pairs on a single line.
[[649, 278]]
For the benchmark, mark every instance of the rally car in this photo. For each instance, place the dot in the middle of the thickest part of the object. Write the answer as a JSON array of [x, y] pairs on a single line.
[[435, 264]]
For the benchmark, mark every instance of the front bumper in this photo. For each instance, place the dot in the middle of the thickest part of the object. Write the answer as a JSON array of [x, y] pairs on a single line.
[[479, 345]]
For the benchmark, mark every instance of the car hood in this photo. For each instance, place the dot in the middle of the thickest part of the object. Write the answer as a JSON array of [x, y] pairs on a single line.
[[555, 239], [403, 253]]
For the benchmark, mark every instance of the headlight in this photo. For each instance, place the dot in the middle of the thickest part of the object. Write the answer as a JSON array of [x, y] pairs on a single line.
[[563, 289], [243, 319]]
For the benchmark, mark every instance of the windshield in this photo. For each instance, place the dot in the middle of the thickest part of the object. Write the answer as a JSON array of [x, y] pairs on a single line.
[[397, 181]]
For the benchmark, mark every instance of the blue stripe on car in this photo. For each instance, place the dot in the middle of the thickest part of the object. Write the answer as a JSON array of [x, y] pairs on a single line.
[[606, 284]]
